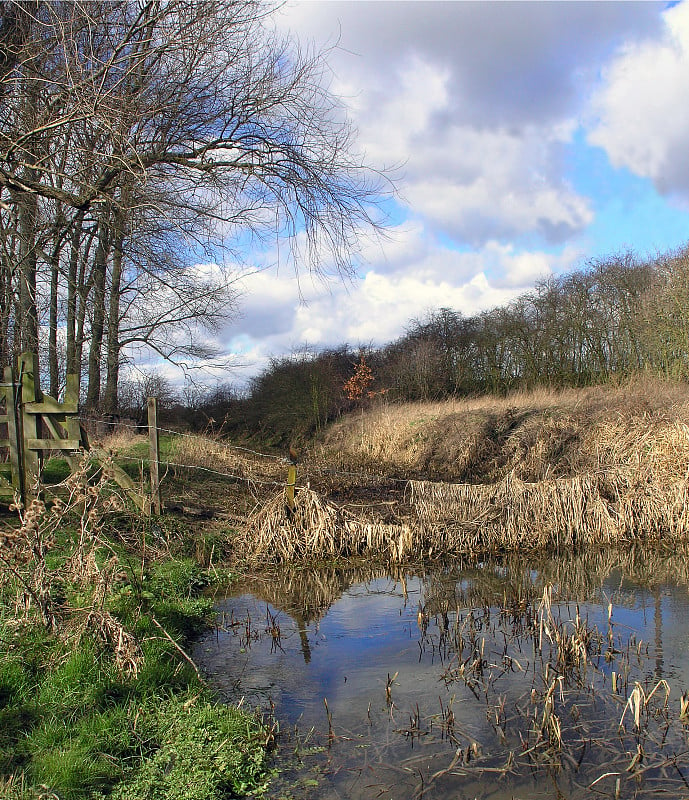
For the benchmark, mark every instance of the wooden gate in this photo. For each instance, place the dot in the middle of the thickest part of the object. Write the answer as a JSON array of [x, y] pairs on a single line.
[[11, 476], [34, 423]]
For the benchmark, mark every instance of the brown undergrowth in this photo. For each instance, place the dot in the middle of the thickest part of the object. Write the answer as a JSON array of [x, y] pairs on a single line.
[[28, 563], [575, 468]]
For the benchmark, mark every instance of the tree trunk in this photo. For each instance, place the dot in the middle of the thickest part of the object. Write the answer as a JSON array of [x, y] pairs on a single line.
[[28, 322], [72, 293], [113, 337], [53, 357], [98, 318], [6, 309]]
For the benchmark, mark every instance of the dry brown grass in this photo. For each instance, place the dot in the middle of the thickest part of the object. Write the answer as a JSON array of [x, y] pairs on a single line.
[[573, 468], [534, 435], [318, 529], [212, 453], [123, 439]]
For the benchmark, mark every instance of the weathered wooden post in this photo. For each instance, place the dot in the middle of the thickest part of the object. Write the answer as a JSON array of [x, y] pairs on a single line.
[[154, 455], [289, 489], [13, 470], [28, 379]]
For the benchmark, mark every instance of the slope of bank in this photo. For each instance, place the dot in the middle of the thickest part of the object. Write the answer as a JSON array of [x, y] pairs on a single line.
[[599, 466], [532, 436]]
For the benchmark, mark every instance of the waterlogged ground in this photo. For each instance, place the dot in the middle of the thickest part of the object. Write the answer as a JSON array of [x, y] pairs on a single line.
[[506, 679]]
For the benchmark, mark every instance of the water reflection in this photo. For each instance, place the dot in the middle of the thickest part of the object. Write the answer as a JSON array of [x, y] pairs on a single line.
[[502, 679]]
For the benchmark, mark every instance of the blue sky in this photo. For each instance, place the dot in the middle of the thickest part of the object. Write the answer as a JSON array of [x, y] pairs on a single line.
[[529, 138]]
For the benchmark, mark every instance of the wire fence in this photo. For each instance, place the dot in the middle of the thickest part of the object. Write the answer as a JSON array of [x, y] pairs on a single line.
[[307, 471]]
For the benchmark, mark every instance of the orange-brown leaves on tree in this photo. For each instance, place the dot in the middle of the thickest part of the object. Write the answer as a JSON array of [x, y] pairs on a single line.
[[357, 386]]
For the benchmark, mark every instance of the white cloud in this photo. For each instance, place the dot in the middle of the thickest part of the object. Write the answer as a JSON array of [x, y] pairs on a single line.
[[475, 100], [427, 110], [513, 63], [420, 274], [474, 184], [641, 113]]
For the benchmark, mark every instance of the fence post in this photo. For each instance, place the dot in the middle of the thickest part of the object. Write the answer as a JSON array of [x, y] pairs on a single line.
[[14, 442], [28, 379], [289, 489], [154, 454]]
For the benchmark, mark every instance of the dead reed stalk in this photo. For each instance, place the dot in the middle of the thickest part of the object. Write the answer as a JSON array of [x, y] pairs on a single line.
[[318, 529], [594, 509]]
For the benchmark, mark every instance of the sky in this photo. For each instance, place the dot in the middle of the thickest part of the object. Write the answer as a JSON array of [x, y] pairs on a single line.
[[526, 139]]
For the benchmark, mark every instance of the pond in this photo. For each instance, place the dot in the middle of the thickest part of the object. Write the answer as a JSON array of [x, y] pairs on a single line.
[[565, 677]]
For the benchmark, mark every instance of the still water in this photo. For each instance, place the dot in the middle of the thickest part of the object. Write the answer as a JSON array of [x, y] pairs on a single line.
[[513, 678]]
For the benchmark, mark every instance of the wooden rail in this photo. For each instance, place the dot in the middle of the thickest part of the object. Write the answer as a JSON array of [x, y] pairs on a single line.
[[32, 423]]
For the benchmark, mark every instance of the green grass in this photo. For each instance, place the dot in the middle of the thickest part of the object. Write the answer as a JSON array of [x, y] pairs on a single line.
[[202, 750], [74, 726], [136, 457], [55, 470]]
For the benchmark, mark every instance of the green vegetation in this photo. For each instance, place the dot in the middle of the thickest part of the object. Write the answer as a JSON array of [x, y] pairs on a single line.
[[97, 696]]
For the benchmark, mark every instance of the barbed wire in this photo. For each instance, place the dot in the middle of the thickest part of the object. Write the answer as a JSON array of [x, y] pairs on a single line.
[[309, 469], [225, 445], [114, 423], [210, 470]]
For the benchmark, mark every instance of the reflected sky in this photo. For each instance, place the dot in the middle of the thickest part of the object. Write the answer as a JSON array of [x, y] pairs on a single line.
[[395, 658]]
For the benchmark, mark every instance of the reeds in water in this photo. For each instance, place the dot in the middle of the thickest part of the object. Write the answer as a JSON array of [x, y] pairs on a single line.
[[318, 529], [592, 510], [585, 510]]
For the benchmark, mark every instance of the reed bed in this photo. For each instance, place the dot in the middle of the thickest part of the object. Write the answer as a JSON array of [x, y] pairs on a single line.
[[318, 529], [276, 533], [610, 507], [586, 510]]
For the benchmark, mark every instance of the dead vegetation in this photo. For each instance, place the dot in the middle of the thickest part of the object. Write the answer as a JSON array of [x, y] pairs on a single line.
[[71, 524], [534, 435], [566, 469], [318, 529], [573, 468]]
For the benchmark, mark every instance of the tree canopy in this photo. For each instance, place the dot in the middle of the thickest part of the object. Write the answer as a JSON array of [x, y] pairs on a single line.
[[136, 140]]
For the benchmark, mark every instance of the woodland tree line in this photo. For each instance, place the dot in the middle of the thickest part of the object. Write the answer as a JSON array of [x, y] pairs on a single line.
[[607, 320]]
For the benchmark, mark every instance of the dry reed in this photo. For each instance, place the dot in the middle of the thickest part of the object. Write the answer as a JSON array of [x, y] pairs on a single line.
[[318, 529], [592, 509], [569, 469]]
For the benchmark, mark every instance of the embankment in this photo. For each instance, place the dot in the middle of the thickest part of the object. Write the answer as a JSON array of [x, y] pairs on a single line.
[[546, 469], [597, 466]]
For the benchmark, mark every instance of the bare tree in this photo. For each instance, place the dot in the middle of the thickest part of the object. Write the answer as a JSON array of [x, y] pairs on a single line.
[[120, 116]]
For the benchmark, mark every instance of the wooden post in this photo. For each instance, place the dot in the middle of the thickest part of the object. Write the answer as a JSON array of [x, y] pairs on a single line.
[[154, 454], [289, 490], [28, 378], [15, 444]]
